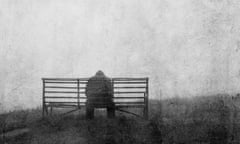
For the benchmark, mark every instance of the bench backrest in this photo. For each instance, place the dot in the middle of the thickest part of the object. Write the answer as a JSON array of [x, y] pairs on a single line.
[[69, 92]]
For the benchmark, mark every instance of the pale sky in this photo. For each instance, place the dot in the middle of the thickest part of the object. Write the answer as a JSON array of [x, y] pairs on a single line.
[[186, 47]]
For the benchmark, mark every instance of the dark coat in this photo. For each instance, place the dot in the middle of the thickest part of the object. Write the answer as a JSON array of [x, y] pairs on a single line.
[[99, 91]]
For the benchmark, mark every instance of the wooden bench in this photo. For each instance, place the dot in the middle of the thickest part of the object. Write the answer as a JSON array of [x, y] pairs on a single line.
[[70, 93]]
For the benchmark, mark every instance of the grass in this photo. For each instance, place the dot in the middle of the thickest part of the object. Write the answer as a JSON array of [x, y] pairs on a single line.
[[206, 120]]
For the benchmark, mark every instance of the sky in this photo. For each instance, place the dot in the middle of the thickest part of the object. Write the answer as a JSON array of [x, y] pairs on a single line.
[[187, 48]]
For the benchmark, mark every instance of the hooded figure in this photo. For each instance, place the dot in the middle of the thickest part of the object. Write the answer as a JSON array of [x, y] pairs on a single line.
[[99, 94]]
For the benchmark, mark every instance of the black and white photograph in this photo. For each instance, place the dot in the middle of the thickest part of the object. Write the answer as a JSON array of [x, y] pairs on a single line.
[[119, 71]]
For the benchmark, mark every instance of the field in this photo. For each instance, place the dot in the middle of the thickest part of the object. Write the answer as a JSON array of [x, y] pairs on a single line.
[[205, 120]]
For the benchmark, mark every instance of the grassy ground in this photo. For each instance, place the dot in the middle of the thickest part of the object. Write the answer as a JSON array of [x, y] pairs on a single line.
[[212, 120]]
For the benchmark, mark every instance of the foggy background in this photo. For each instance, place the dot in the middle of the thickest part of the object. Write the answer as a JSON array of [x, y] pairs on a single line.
[[186, 48]]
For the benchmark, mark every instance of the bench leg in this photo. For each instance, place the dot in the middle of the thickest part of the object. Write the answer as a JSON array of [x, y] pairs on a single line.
[[145, 113], [110, 112], [51, 109], [44, 110], [89, 112]]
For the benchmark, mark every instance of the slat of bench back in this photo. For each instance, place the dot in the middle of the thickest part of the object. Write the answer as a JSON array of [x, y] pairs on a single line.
[[128, 92]]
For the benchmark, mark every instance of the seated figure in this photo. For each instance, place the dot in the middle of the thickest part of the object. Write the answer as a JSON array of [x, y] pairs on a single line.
[[99, 94]]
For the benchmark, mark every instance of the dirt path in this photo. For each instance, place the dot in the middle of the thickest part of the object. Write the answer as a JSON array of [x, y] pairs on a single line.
[[15, 133]]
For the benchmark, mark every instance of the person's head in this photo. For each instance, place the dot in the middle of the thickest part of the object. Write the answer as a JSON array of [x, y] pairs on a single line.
[[99, 74]]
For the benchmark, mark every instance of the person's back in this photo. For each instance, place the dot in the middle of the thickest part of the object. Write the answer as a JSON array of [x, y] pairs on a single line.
[[99, 94]]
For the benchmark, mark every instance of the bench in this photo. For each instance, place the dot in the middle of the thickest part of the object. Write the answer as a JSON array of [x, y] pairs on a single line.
[[70, 93]]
